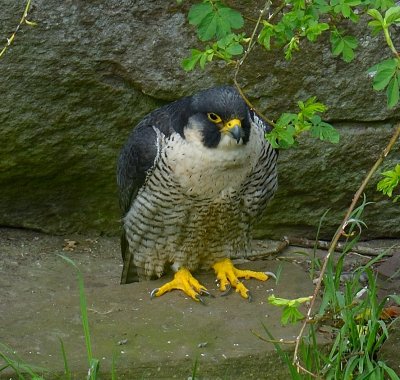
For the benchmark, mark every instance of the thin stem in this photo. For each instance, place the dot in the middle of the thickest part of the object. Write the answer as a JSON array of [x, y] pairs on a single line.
[[239, 63], [23, 19], [337, 236], [390, 42]]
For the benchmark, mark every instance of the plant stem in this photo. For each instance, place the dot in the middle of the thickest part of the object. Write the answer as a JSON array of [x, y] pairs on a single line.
[[23, 19], [337, 236], [389, 41], [239, 63]]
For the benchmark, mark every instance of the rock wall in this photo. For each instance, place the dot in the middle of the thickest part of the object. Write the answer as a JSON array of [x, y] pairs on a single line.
[[75, 85]]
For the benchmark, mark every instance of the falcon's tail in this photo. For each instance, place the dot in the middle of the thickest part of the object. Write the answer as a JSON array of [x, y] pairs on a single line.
[[129, 271]]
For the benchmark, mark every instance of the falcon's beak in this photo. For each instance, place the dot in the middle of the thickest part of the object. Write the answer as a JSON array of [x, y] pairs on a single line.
[[234, 128]]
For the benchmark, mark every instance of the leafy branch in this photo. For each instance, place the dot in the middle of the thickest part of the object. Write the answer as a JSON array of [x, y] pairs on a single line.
[[291, 125], [386, 74], [284, 26], [390, 182], [23, 20]]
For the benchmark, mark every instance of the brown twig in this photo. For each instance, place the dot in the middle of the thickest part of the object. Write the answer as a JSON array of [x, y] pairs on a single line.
[[239, 63], [337, 236], [325, 245]]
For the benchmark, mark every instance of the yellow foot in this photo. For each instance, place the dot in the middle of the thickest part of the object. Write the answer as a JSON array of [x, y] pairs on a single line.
[[228, 277], [183, 280]]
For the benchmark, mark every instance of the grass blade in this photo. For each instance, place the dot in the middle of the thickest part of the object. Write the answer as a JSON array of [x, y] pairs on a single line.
[[67, 372], [83, 308]]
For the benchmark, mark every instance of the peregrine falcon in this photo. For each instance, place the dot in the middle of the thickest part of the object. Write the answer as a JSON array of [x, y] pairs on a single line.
[[194, 177]]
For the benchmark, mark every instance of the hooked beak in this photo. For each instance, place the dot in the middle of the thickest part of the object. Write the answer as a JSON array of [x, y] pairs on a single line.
[[234, 128]]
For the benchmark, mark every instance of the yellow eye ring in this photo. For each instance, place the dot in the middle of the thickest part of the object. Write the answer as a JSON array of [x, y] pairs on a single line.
[[214, 117]]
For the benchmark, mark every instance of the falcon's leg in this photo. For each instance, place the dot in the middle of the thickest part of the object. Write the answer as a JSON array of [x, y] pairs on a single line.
[[228, 276], [183, 280]]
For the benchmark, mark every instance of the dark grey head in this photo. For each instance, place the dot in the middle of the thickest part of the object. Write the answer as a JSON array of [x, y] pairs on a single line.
[[219, 112]]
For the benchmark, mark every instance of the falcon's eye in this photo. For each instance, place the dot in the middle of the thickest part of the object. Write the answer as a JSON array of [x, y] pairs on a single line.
[[214, 117]]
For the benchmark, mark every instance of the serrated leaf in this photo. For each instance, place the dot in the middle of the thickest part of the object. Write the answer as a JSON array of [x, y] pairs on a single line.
[[392, 92], [386, 64], [337, 47], [291, 315], [382, 78], [324, 131], [348, 53], [350, 41], [207, 28], [264, 38], [198, 12], [233, 17]]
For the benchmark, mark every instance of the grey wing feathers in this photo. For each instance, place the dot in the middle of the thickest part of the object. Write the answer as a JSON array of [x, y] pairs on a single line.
[[136, 158], [140, 151]]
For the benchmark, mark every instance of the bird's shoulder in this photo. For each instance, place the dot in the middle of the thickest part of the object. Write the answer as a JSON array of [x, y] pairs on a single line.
[[141, 150], [259, 122]]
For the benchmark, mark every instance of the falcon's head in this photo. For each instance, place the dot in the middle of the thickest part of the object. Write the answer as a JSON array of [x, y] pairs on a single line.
[[219, 117]]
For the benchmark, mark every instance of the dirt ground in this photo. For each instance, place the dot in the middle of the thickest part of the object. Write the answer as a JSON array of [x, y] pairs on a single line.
[[160, 338]]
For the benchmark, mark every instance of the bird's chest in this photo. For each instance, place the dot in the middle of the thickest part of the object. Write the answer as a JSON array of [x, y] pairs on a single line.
[[202, 171]]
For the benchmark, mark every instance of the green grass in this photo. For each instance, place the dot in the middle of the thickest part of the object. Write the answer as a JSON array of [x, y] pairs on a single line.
[[353, 312], [21, 369]]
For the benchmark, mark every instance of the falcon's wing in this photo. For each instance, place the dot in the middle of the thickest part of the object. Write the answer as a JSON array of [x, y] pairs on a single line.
[[140, 151], [136, 160]]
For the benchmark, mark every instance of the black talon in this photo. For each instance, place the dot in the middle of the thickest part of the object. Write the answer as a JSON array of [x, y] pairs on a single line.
[[199, 298], [153, 293], [249, 296], [206, 293], [227, 291]]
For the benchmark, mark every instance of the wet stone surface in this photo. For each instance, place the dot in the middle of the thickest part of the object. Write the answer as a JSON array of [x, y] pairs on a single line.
[[160, 338]]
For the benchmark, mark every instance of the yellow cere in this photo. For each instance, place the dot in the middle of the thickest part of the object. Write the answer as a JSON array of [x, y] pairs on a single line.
[[230, 124]]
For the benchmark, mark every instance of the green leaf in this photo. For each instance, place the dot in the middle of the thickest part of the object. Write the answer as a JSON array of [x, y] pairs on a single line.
[[337, 47], [207, 29], [382, 78], [215, 20], [344, 45], [189, 63], [313, 31], [233, 17], [264, 38], [198, 12], [291, 315], [375, 14], [235, 49], [376, 26], [392, 92], [324, 131], [390, 182], [277, 301], [392, 15], [282, 136]]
